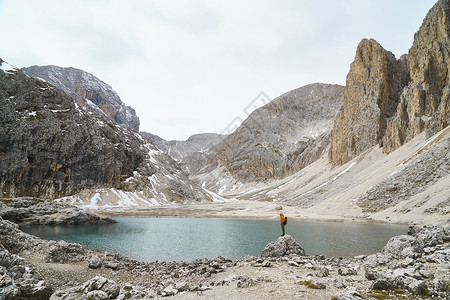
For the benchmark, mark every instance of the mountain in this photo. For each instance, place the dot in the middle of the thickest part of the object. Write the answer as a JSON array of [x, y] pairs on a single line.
[[275, 141], [180, 149], [89, 92], [50, 147], [388, 157], [389, 101]]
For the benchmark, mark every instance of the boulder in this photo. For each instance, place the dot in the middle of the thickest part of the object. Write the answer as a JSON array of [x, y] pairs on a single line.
[[403, 246], [284, 246], [95, 263], [63, 251], [111, 288]]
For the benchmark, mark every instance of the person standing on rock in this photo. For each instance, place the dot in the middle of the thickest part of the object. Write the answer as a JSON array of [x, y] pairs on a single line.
[[283, 222]]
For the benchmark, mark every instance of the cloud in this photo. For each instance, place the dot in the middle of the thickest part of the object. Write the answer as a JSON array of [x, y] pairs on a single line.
[[193, 66]]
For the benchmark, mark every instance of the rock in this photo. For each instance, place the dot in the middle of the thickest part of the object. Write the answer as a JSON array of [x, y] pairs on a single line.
[[279, 138], [169, 291], [388, 101], [63, 251], [417, 287], [283, 246], [108, 286], [382, 285], [16, 281], [244, 281], [371, 274], [78, 151], [424, 102], [439, 286], [95, 263], [371, 94], [403, 246], [97, 295], [347, 271], [89, 92], [322, 272]]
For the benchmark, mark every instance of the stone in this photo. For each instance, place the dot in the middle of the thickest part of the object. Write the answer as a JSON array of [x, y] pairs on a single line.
[[371, 94], [403, 246], [347, 271], [284, 246], [418, 287], [382, 284], [110, 287], [63, 251], [97, 295], [95, 263], [322, 272]]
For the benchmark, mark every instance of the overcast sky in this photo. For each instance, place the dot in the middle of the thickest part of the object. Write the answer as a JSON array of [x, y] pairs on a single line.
[[193, 66]]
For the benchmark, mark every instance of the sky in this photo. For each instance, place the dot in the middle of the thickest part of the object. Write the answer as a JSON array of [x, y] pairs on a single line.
[[195, 66]]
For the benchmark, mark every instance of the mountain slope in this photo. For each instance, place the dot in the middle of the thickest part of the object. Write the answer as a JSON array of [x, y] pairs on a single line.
[[408, 185], [52, 148], [89, 92], [276, 140]]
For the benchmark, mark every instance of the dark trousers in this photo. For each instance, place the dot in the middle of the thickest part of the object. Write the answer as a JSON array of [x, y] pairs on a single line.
[[282, 228]]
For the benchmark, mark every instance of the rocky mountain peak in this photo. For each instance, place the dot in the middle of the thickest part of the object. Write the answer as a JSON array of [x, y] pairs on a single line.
[[89, 92], [279, 138], [389, 101]]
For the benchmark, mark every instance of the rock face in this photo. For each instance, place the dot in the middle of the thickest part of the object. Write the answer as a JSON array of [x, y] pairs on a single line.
[[389, 101], [51, 148], [89, 92], [372, 90], [279, 138], [425, 102], [284, 246], [181, 149]]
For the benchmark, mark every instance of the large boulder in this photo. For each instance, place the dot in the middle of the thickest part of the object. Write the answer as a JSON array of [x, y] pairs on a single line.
[[284, 246]]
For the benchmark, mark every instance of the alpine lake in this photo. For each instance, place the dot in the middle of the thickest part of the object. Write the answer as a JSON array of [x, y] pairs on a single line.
[[186, 239]]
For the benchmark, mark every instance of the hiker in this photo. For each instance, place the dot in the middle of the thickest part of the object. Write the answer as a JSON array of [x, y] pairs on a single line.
[[283, 222]]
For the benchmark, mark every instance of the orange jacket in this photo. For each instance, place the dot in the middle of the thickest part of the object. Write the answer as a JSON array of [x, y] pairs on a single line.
[[282, 219]]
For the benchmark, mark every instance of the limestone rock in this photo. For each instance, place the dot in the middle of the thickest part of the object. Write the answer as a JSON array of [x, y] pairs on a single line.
[[99, 283], [51, 148], [284, 246], [89, 92], [95, 263], [277, 139], [425, 102], [389, 101], [371, 94]]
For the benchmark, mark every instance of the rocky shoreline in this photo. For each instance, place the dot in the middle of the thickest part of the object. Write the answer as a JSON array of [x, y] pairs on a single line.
[[415, 265], [34, 211]]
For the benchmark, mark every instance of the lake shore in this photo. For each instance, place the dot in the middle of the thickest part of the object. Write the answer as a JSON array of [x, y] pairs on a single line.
[[411, 265], [244, 209]]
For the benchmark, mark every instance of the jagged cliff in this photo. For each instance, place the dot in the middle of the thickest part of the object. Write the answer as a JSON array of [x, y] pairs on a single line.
[[51, 148], [89, 92], [389, 101]]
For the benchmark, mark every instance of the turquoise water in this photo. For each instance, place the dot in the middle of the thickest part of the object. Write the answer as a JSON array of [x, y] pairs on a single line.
[[186, 239]]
